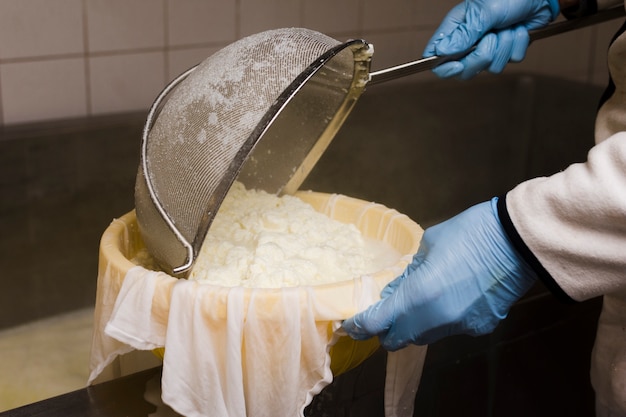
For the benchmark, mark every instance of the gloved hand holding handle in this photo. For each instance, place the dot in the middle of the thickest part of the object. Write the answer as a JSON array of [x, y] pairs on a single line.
[[498, 28], [463, 280]]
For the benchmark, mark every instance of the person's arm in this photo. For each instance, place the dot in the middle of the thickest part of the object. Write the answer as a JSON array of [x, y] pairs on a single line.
[[574, 222], [568, 229], [498, 29], [463, 280]]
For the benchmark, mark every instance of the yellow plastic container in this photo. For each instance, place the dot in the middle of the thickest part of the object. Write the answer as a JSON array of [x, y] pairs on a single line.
[[121, 241]]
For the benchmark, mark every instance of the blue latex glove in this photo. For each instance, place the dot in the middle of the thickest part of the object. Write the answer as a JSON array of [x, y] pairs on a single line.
[[463, 280], [498, 28]]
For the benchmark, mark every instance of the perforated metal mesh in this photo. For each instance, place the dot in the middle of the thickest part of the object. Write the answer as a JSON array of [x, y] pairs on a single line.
[[210, 115], [202, 125]]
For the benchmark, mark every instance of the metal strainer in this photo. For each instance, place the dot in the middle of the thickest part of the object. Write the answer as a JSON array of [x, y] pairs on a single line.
[[262, 111], [205, 130]]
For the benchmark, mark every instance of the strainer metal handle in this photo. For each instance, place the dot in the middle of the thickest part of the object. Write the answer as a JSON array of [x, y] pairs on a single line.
[[429, 63]]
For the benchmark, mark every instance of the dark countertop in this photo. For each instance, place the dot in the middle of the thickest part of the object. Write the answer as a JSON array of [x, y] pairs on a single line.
[[129, 396]]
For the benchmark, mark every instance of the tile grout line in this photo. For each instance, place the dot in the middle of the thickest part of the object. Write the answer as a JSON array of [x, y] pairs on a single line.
[[1, 102], [166, 41], [113, 52], [237, 19], [86, 60]]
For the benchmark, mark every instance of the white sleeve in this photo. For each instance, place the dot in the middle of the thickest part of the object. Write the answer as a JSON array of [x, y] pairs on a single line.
[[574, 222]]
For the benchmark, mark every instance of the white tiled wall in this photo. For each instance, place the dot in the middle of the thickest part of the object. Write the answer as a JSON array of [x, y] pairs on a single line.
[[72, 58]]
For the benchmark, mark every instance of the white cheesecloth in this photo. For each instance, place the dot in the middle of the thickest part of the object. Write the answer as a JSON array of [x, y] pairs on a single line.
[[267, 357], [235, 351]]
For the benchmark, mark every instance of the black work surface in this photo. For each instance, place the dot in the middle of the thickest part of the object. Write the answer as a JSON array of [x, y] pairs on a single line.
[[121, 397]]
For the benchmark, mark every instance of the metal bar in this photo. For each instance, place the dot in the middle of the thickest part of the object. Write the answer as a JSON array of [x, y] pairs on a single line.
[[425, 64]]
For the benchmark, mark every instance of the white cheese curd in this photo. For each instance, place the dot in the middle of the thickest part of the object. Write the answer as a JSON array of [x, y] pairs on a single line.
[[264, 241]]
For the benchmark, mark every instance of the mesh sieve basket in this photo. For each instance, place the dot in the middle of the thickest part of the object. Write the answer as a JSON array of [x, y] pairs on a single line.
[[228, 119]]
